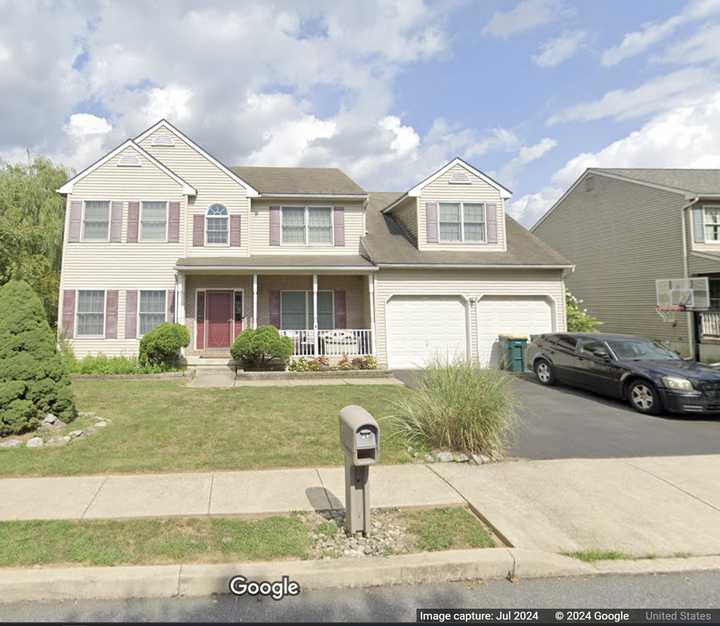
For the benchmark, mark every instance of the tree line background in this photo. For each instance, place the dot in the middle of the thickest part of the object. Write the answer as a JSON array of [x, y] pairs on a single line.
[[32, 218]]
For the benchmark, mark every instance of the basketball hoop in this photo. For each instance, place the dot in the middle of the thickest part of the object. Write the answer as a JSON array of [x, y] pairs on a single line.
[[669, 313]]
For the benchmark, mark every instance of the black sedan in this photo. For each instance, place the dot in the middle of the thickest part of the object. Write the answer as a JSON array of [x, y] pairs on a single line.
[[643, 372]]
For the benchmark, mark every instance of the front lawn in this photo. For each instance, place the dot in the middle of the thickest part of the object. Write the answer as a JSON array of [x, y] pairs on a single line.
[[165, 426]]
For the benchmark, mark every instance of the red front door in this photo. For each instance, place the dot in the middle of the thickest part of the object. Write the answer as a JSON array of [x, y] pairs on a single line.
[[219, 319]]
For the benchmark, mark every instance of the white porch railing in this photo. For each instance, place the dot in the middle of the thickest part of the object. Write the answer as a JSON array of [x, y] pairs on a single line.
[[339, 342], [710, 323]]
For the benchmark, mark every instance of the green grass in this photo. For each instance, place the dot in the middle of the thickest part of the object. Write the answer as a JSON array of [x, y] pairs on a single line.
[[208, 540], [590, 556], [163, 425], [451, 528], [213, 540]]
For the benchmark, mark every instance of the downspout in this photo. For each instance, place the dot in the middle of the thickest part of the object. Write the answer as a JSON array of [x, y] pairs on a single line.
[[690, 318]]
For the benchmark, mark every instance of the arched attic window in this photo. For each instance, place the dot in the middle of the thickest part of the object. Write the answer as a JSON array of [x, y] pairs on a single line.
[[217, 224]]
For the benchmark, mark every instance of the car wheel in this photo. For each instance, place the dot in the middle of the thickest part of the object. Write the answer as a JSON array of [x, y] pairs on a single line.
[[544, 372], [644, 398]]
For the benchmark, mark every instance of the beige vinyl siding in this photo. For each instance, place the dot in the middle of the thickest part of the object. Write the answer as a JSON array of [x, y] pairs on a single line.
[[260, 229], [622, 237], [700, 265], [406, 214], [441, 190], [121, 266], [355, 286], [212, 185], [468, 284]]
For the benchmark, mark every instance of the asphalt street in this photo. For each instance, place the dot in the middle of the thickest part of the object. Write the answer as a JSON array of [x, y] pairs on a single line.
[[560, 422], [396, 603]]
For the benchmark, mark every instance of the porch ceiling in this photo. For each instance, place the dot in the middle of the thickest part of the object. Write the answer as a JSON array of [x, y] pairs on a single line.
[[286, 263]]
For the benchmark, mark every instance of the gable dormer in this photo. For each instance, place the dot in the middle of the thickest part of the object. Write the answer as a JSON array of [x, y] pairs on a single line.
[[457, 208]]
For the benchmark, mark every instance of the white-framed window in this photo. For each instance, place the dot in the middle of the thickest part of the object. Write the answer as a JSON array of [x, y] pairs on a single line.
[[90, 316], [153, 221], [462, 221], [216, 225], [711, 223], [296, 310], [96, 220], [307, 225], [151, 310]]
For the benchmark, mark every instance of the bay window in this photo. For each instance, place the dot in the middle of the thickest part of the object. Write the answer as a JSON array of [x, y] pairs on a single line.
[[711, 223]]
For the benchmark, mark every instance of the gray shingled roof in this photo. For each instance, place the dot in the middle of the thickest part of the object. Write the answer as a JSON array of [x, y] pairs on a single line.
[[695, 181], [275, 260], [299, 180], [388, 243]]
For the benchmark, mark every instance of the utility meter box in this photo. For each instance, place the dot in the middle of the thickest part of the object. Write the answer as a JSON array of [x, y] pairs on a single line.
[[360, 442], [359, 435]]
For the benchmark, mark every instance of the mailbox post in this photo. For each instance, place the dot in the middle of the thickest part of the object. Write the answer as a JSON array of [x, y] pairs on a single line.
[[360, 440]]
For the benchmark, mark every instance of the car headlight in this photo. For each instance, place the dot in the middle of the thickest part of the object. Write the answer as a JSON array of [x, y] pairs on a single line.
[[675, 382]]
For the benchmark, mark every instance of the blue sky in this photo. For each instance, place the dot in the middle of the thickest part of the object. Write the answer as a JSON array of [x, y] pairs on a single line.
[[531, 91]]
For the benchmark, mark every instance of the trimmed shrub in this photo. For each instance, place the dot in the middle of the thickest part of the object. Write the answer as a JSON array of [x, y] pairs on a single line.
[[161, 346], [34, 379], [459, 407], [262, 348]]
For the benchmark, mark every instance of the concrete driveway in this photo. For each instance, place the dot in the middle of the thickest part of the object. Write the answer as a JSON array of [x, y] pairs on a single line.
[[560, 423]]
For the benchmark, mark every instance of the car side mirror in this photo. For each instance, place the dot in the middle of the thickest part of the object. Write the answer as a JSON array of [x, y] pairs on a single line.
[[602, 354]]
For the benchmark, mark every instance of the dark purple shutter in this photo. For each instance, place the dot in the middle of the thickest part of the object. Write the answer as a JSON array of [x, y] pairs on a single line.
[[431, 220], [198, 230], [170, 308], [116, 216], [200, 321], [275, 225], [111, 313], [68, 313], [275, 308], [339, 225], [340, 309], [131, 303], [235, 239], [75, 221], [491, 217], [133, 222], [174, 222]]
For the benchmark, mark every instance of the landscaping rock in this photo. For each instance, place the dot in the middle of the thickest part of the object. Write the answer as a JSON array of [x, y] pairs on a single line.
[[50, 419], [35, 442], [460, 457], [11, 443], [445, 457], [87, 414], [74, 434], [429, 458], [58, 441], [101, 424]]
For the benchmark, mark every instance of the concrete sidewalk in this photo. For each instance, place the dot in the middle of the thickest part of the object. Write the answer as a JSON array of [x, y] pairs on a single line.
[[651, 506], [214, 493]]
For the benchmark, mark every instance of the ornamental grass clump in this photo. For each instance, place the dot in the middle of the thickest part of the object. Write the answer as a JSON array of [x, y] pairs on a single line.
[[34, 380], [458, 407]]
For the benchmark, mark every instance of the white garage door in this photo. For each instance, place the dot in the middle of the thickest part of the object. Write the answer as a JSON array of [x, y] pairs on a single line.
[[509, 315], [420, 328]]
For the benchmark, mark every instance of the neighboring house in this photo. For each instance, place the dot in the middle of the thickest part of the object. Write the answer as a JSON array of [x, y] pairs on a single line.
[[160, 230], [625, 228]]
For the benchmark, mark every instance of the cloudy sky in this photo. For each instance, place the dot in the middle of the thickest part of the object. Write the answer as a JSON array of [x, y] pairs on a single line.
[[530, 91]]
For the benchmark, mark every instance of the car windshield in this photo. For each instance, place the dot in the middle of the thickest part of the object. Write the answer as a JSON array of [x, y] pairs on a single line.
[[641, 350]]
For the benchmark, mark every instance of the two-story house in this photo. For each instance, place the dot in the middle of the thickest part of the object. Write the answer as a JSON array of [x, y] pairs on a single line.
[[625, 229], [158, 229]]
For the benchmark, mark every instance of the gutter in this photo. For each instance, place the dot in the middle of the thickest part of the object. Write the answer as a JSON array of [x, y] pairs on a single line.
[[330, 196], [278, 268], [690, 326], [476, 266]]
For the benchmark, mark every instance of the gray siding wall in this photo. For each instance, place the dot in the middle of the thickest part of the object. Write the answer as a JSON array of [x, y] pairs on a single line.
[[622, 237]]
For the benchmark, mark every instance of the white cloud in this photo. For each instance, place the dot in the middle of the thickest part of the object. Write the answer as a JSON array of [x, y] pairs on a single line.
[[83, 124], [509, 172], [526, 15], [687, 136], [701, 47], [171, 102], [674, 89], [559, 49], [636, 42]]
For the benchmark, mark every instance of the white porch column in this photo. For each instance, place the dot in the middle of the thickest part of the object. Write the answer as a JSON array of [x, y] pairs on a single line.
[[315, 322], [255, 294], [180, 301], [371, 294]]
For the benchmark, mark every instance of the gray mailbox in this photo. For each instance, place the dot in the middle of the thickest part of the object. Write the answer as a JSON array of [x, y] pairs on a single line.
[[360, 440]]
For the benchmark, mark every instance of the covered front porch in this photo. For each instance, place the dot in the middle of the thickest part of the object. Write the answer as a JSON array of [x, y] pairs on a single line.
[[324, 313]]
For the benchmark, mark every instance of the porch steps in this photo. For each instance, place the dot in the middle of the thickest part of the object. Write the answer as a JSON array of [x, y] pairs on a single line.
[[210, 362]]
